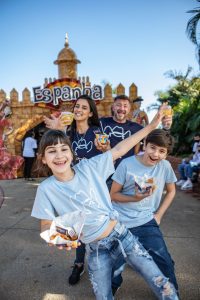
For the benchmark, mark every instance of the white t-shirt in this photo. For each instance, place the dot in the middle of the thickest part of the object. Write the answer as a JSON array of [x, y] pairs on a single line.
[[87, 192], [29, 145]]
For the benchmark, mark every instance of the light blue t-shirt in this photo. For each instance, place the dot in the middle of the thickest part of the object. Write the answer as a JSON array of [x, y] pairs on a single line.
[[87, 192], [134, 214]]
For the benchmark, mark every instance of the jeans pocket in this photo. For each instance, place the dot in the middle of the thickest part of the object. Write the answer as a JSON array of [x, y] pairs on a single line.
[[155, 222]]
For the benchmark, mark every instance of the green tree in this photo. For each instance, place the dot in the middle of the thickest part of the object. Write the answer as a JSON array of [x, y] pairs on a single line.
[[184, 97], [192, 30]]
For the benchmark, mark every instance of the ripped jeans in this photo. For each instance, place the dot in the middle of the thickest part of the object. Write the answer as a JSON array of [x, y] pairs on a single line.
[[103, 255]]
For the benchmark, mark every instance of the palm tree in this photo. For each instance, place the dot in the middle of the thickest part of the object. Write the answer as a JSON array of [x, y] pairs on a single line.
[[192, 31]]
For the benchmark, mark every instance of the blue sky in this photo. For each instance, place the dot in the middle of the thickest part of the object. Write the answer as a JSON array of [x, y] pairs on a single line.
[[117, 41]]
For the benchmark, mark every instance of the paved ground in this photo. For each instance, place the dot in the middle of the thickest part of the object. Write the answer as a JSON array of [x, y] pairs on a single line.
[[30, 270]]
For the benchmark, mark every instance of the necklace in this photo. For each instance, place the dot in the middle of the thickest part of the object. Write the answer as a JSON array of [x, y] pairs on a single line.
[[80, 137]]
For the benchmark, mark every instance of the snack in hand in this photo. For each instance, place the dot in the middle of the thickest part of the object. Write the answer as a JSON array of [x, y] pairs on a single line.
[[144, 184], [167, 110], [102, 138], [67, 118], [65, 230]]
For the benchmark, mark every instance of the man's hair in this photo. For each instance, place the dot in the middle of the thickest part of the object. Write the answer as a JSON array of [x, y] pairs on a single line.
[[161, 138], [121, 97]]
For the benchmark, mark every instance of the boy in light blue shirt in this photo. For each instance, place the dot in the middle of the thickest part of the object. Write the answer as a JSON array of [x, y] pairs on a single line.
[[142, 212]]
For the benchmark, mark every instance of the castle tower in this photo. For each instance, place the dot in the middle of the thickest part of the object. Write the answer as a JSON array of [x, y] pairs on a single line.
[[67, 62]]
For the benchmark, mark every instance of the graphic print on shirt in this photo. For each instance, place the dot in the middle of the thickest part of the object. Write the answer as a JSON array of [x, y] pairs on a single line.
[[146, 202], [89, 200], [82, 144], [116, 131]]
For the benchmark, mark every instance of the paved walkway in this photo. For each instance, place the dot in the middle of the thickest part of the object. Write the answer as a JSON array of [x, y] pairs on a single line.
[[30, 270]]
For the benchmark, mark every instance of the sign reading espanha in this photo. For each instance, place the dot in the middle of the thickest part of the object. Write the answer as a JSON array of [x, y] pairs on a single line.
[[66, 93]]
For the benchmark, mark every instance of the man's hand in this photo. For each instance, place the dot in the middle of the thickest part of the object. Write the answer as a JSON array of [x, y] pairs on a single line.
[[167, 122]]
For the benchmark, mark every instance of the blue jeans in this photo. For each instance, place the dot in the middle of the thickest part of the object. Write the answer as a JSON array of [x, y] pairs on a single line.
[[185, 171], [151, 238], [103, 254]]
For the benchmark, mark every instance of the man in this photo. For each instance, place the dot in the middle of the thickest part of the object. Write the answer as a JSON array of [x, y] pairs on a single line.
[[118, 127], [139, 116]]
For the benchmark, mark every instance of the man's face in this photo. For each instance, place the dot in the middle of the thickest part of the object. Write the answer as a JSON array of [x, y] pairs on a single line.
[[121, 109]]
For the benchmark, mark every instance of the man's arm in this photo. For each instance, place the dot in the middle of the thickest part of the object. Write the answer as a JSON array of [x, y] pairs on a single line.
[[171, 191]]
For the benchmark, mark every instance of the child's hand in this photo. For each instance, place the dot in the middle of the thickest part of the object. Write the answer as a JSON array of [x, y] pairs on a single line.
[[140, 196], [157, 118], [69, 246], [157, 218]]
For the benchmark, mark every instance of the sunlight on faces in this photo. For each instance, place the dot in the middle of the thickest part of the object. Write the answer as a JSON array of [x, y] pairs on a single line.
[[153, 154], [121, 109], [82, 110]]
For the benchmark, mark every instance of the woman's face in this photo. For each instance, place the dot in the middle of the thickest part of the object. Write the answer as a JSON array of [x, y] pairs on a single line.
[[82, 110]]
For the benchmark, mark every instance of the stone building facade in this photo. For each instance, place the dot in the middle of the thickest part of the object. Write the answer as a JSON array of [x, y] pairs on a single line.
[[26, 115]]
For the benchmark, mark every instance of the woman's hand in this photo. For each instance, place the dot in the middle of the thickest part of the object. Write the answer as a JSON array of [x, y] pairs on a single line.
[[54, 122], [102, 147]]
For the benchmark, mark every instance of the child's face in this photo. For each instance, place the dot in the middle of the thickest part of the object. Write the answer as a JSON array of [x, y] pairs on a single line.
[[153, 154], [58, 158]]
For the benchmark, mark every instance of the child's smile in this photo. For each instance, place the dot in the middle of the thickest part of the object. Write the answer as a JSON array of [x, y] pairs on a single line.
[[59, 158], [153, 154]]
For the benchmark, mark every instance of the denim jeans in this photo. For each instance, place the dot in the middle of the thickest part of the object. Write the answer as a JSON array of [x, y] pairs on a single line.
[[185, 171], [103, 254], [80, 254], [150, 236]]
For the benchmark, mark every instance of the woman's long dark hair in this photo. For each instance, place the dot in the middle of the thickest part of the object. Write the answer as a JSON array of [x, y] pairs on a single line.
[[51, 137], [92, 121]]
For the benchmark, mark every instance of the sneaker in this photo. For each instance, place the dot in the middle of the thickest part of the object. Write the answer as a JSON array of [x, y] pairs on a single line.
[[115, 289], [187, 185], [180, 182], [76, 274]]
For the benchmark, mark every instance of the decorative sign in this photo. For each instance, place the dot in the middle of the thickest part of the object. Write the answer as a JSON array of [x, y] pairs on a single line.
[[55, 93]]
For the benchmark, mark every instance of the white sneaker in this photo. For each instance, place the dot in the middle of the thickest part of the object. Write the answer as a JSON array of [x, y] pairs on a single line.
[[187, 185], [180, 182]]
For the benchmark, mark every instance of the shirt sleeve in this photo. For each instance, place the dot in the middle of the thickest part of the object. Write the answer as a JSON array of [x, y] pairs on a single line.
[[103, 164], [120, 174], [42, 205], [170, 175]]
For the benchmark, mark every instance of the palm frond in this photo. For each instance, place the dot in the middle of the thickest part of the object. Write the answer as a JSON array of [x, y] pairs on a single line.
[[191, 28]]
